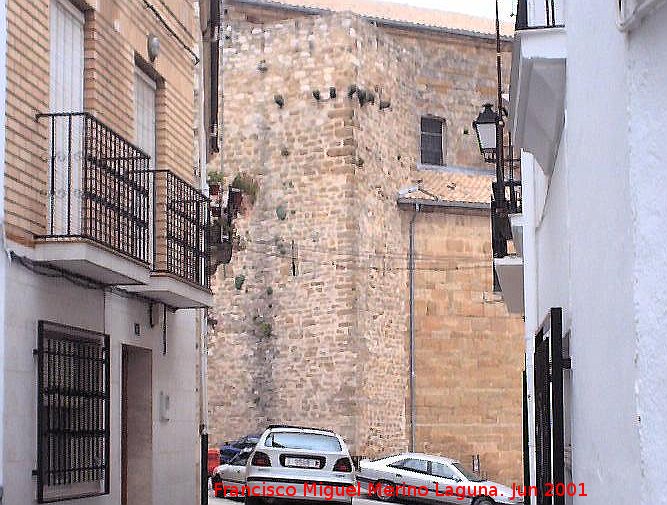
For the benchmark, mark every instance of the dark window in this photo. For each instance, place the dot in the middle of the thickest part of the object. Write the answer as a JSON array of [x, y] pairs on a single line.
[[414, 465], [433, 141], [73, 413], [306, 441], [444, 471], [240, 459], [471, 476]]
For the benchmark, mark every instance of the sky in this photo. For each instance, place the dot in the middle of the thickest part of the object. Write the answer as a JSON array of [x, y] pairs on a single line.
[[483, 8]]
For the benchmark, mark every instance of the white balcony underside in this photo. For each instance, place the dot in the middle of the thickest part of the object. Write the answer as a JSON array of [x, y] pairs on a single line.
[[537, 103], [175, 293], [91, 261], [510, 275]]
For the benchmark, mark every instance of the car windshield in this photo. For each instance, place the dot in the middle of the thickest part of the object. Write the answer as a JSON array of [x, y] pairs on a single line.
[[240, 459], [306, 441], [473, 477]]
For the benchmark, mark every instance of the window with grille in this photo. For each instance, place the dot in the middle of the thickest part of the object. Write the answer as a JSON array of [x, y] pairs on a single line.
[[432, 140], [73, 413]]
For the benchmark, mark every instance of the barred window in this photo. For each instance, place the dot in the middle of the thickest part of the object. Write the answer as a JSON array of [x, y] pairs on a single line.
[[73, 413], [433, 136]]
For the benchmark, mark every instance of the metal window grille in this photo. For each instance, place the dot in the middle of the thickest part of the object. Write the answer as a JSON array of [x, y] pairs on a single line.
[[432, 141], [549, 425], [549, 17], [72, 413], [99, 188]]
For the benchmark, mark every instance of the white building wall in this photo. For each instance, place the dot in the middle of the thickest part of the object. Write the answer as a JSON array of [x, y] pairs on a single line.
[[647, 85], [605, 431], [545, 256], [175, 442], [552, 238]]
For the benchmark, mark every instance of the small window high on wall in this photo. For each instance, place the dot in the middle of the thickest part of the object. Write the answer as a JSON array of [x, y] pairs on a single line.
[[433, 138]]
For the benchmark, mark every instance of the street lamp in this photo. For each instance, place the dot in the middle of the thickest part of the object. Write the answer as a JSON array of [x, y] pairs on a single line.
[[486, 129]]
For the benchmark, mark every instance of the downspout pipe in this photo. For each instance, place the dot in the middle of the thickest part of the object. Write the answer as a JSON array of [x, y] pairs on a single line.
[[214, 33], [411, 268]]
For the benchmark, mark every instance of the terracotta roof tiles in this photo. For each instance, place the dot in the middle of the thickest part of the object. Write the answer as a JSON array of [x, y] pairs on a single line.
[[454, 187]]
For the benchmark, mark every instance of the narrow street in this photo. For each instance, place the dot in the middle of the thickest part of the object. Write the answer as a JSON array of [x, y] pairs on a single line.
[[212, 500]]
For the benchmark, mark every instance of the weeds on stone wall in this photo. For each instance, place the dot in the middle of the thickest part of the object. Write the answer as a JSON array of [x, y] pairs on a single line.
[[248, 185]]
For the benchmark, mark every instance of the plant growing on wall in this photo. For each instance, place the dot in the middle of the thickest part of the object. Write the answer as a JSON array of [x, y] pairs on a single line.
[[215, 181], [247, 185], [215, 178], [238, 281]]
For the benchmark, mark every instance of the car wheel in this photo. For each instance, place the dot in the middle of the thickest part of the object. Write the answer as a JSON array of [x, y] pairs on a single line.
[[382, 496], [254, 500], [484, 501], [220, 492]]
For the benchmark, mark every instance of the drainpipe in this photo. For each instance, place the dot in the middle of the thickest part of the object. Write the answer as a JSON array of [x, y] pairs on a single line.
[[4, 264], [201, 315], [413, 406]]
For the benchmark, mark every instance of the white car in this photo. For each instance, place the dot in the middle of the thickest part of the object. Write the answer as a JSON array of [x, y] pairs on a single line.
[[228, 479], [427, 478], [297, 463]]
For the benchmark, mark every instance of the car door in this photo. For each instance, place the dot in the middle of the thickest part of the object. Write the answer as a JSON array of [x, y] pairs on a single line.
[[444, 479], [410, 472], [234, 472]]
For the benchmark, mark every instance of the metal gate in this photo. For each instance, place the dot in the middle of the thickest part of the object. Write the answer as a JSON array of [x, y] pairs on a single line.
[[548, 367]]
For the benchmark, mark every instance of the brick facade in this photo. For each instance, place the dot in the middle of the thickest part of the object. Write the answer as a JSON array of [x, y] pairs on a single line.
[[317, 334], [114, 37]]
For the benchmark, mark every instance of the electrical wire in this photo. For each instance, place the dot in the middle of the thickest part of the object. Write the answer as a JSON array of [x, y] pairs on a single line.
[[78, 280], [354, 255], [336, 264]]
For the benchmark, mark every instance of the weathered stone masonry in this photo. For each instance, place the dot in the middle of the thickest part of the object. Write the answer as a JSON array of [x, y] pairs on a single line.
[[317, 333]]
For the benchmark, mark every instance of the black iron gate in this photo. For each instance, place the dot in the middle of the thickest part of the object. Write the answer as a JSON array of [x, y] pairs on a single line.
[[548, 368], [526, 447]]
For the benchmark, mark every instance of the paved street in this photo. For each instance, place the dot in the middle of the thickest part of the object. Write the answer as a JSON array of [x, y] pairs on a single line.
[[224, 501]]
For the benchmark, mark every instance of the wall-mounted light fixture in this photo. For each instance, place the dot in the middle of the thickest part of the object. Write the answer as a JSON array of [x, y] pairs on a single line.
[[153, 47], [332, 93], [316, 95], [280, 101]]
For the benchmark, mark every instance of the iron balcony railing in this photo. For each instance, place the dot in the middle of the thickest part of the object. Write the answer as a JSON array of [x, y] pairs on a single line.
[[181, 229], [546, 14], [98, 185]]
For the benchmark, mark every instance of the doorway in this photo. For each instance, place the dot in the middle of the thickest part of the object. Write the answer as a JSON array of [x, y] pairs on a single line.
[[136, 427]]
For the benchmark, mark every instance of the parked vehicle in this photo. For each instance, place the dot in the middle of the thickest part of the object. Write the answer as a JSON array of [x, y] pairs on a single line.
[[231, 449], [309, 461], [213, 459], [442, 480], [231, 474]]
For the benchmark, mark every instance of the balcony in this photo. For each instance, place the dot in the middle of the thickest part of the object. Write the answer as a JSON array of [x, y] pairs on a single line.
[[114, 221], [180, 244], [506, 242], [537, 91], [98, 202]]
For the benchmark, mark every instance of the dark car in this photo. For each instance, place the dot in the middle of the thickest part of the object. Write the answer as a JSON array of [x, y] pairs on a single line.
[[231, 449]]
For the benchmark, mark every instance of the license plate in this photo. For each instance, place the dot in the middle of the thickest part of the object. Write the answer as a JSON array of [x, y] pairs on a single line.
[[302, 462]]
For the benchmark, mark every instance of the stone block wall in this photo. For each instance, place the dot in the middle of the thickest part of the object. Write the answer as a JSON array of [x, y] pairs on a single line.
[[469, 351], [318, 332]]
